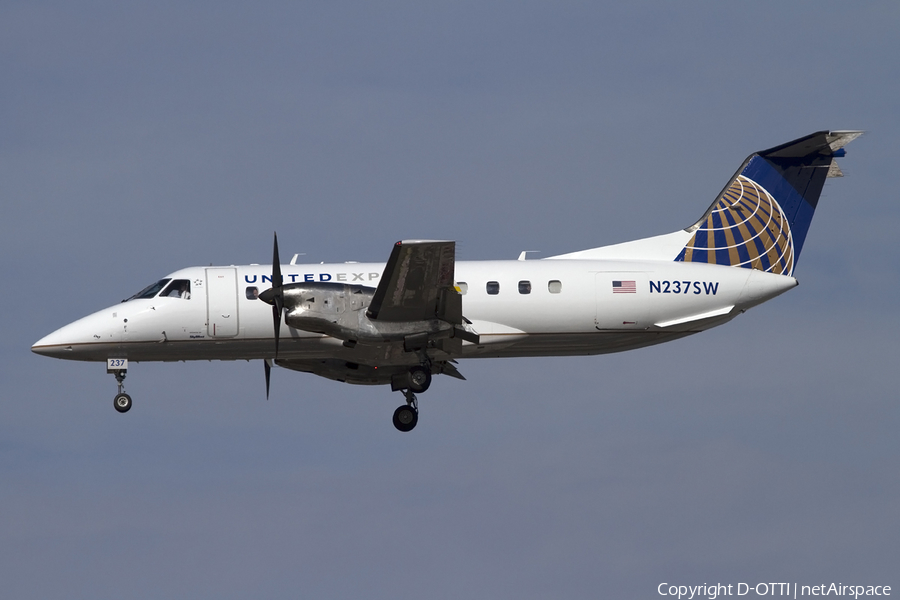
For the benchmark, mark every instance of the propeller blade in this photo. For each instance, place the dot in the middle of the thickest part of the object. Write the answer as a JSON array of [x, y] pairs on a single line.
[[276, 266], [275, 297], [277, 292]]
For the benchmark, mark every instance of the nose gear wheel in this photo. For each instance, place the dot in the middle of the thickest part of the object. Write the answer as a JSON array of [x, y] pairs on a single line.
[[122, 401]]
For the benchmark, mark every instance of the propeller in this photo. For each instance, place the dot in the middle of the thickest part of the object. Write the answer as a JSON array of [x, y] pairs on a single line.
[[275, 297]]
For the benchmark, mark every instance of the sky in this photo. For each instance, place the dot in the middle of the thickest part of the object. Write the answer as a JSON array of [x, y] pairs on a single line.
[[140, 138]]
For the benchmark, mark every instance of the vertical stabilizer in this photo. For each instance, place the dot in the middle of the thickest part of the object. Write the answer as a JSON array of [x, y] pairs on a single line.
[[761, 218]]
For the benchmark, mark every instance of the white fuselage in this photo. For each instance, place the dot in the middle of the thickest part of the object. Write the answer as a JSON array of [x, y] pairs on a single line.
[[551, 307]]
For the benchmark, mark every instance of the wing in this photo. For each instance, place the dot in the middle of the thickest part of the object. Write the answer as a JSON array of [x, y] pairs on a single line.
[[417, 284]]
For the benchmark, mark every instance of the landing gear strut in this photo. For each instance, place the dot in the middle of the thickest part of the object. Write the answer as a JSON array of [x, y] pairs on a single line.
[[406, 416], [122, 401]]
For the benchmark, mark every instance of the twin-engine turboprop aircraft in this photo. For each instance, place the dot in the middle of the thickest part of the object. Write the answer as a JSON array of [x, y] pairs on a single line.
[[403, 322]]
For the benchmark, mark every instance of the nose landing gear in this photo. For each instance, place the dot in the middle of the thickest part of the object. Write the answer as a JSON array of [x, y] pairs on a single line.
[[122, 401], [117, 366]]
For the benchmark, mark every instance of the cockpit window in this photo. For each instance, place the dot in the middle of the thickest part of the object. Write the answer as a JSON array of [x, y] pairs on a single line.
[[151, 290], [179, 288]]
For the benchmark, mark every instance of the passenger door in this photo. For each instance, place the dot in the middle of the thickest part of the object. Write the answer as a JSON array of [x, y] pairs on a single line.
[[221, 302]]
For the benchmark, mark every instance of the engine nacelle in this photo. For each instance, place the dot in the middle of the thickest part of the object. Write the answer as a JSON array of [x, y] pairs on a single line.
[[328, 308]]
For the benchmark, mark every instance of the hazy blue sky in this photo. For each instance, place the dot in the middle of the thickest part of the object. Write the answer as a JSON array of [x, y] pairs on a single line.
[[139, 138]]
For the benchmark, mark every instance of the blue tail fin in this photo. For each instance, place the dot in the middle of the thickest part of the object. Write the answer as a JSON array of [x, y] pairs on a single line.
[[761, 218]]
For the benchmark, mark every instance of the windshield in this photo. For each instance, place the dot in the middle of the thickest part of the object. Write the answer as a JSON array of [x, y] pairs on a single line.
[[179, 288], [149, 291]]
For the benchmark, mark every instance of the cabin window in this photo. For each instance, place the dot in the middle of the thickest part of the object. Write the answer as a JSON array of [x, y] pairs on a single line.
[[555, 286], [151, 290], [179, 288], [524, 287], [462, 287], [252, 292], [493, 288]]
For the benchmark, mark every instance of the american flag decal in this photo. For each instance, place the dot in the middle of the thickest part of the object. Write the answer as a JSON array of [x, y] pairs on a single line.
[[624, 287]]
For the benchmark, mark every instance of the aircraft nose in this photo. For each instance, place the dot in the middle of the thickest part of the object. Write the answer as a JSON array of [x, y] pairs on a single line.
[[80, 340], [58, 344]]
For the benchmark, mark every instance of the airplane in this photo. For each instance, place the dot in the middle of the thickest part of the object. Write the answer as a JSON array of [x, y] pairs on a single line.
[[402, 322]]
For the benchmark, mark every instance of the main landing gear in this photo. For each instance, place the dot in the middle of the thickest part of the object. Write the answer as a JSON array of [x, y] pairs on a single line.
[[418, 380], [406, 416], [122, 401]]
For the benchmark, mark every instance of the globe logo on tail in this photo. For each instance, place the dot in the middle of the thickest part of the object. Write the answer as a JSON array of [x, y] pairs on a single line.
[[745, 228]]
